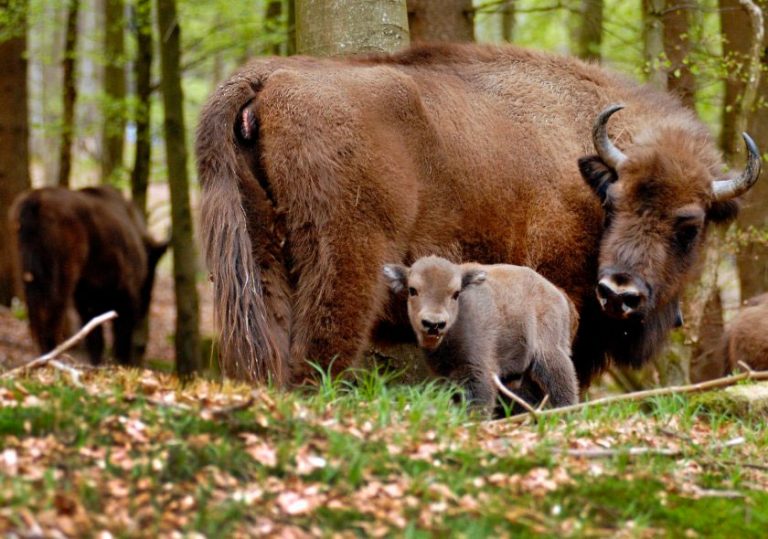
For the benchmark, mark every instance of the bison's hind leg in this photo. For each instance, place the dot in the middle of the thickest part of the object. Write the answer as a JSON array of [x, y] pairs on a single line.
[[553, 371]]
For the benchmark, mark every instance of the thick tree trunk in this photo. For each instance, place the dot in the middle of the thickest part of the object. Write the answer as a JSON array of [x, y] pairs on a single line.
[[441, 20], [187, 339], [653, 42], [142, 68], [113, 128], [340, 27], [14, 134], [590, 32], [677, 46], [69, 91], [753, 218]]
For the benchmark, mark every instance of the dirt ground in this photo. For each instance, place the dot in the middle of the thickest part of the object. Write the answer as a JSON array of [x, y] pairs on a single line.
[[16, 344]]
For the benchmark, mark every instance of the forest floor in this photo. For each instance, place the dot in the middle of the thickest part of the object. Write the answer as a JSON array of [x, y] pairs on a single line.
[[132, 453]]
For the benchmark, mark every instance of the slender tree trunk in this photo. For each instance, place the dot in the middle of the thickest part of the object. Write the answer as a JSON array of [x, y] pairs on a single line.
[[273, 25], [590, 32], [291, 22], [142, 68], [508, 21], [677, 46], [340, 27], [113, 129], [69, 90], [187, 339], [14, 134], [653, 41], [441, 20]]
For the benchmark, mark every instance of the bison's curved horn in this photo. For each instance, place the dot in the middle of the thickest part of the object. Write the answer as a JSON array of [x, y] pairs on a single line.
[[608, 152], [727, 189]]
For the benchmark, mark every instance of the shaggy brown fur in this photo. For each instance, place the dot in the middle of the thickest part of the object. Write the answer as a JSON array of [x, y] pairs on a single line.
[[91, 248], [475, 321], [745, 339], [315, 172]]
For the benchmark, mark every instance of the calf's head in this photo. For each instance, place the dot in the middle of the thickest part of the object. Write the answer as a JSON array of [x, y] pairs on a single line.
[[658, 198], [433, 285]]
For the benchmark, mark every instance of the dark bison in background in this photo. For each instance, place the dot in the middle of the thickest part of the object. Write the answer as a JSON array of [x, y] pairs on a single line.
[[315, 172], [745, 340], [91, 248]]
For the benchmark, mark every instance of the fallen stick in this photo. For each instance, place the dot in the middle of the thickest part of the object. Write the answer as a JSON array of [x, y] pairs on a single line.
[[63, 347], [601, 452], [501, 387], [640, 395]]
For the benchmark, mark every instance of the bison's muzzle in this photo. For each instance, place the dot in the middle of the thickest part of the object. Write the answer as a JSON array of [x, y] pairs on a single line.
[[621, 295]]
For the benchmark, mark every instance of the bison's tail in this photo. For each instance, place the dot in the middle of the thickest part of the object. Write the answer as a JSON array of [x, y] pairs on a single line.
[[249, 350]]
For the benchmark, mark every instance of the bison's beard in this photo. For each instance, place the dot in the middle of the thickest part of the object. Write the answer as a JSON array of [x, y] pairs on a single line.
[[601, 339], [635, 341]]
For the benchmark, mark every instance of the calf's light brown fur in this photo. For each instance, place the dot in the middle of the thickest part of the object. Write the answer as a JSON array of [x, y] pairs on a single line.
[[475, 321]]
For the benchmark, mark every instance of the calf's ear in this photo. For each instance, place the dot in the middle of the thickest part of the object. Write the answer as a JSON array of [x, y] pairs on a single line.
[[472, 277], [396, 276], [597, 174]]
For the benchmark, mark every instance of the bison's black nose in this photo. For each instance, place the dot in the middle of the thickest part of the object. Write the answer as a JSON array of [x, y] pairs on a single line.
[[621, 295], [433, 327]]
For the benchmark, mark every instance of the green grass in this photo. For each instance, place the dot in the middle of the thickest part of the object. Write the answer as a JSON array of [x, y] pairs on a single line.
[[137, 454]]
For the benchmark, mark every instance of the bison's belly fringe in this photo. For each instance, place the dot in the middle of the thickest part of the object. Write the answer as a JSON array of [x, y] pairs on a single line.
[[248, 350]]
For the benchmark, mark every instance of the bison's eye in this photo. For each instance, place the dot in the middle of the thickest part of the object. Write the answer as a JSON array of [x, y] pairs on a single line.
[[685, 235], [412, 292], [456, 295]]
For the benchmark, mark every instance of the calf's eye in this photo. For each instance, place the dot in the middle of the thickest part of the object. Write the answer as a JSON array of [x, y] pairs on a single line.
[[456, 295], [412, 292]]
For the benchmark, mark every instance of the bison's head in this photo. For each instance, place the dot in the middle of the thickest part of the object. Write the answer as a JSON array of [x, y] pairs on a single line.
[[434, 285], [658, 197]]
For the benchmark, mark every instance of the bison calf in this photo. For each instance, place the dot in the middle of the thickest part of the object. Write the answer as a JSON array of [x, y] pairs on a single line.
[[476, 321], [91, 248]]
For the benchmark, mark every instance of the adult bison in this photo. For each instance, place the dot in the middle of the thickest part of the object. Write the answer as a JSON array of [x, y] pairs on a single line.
[[315, 172], [89, 248]]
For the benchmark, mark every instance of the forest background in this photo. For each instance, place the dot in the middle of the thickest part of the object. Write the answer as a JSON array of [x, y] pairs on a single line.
[[108, 91]]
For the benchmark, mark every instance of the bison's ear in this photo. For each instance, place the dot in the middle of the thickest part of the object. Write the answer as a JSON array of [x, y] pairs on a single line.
[[471, 277], [723, 212], [396, 276], [597, 174], [155, 251]]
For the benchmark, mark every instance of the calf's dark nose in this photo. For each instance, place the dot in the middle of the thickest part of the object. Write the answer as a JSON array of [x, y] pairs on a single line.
[[429, 325]]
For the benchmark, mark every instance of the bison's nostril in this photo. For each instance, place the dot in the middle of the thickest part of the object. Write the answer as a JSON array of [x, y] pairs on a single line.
[[632, 301], [604, 291], [428, 324], [441, 325]]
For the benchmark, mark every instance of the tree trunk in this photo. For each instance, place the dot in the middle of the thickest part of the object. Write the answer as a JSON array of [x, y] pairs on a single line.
[[142, 68], [752, 258], [113, 128], [291, 23], [508, 21], [441, 20], [653, 42], [187, 339], [273, 26], [341, 27], [590, 33], [69, 91], [677, 46], [14, 134]]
